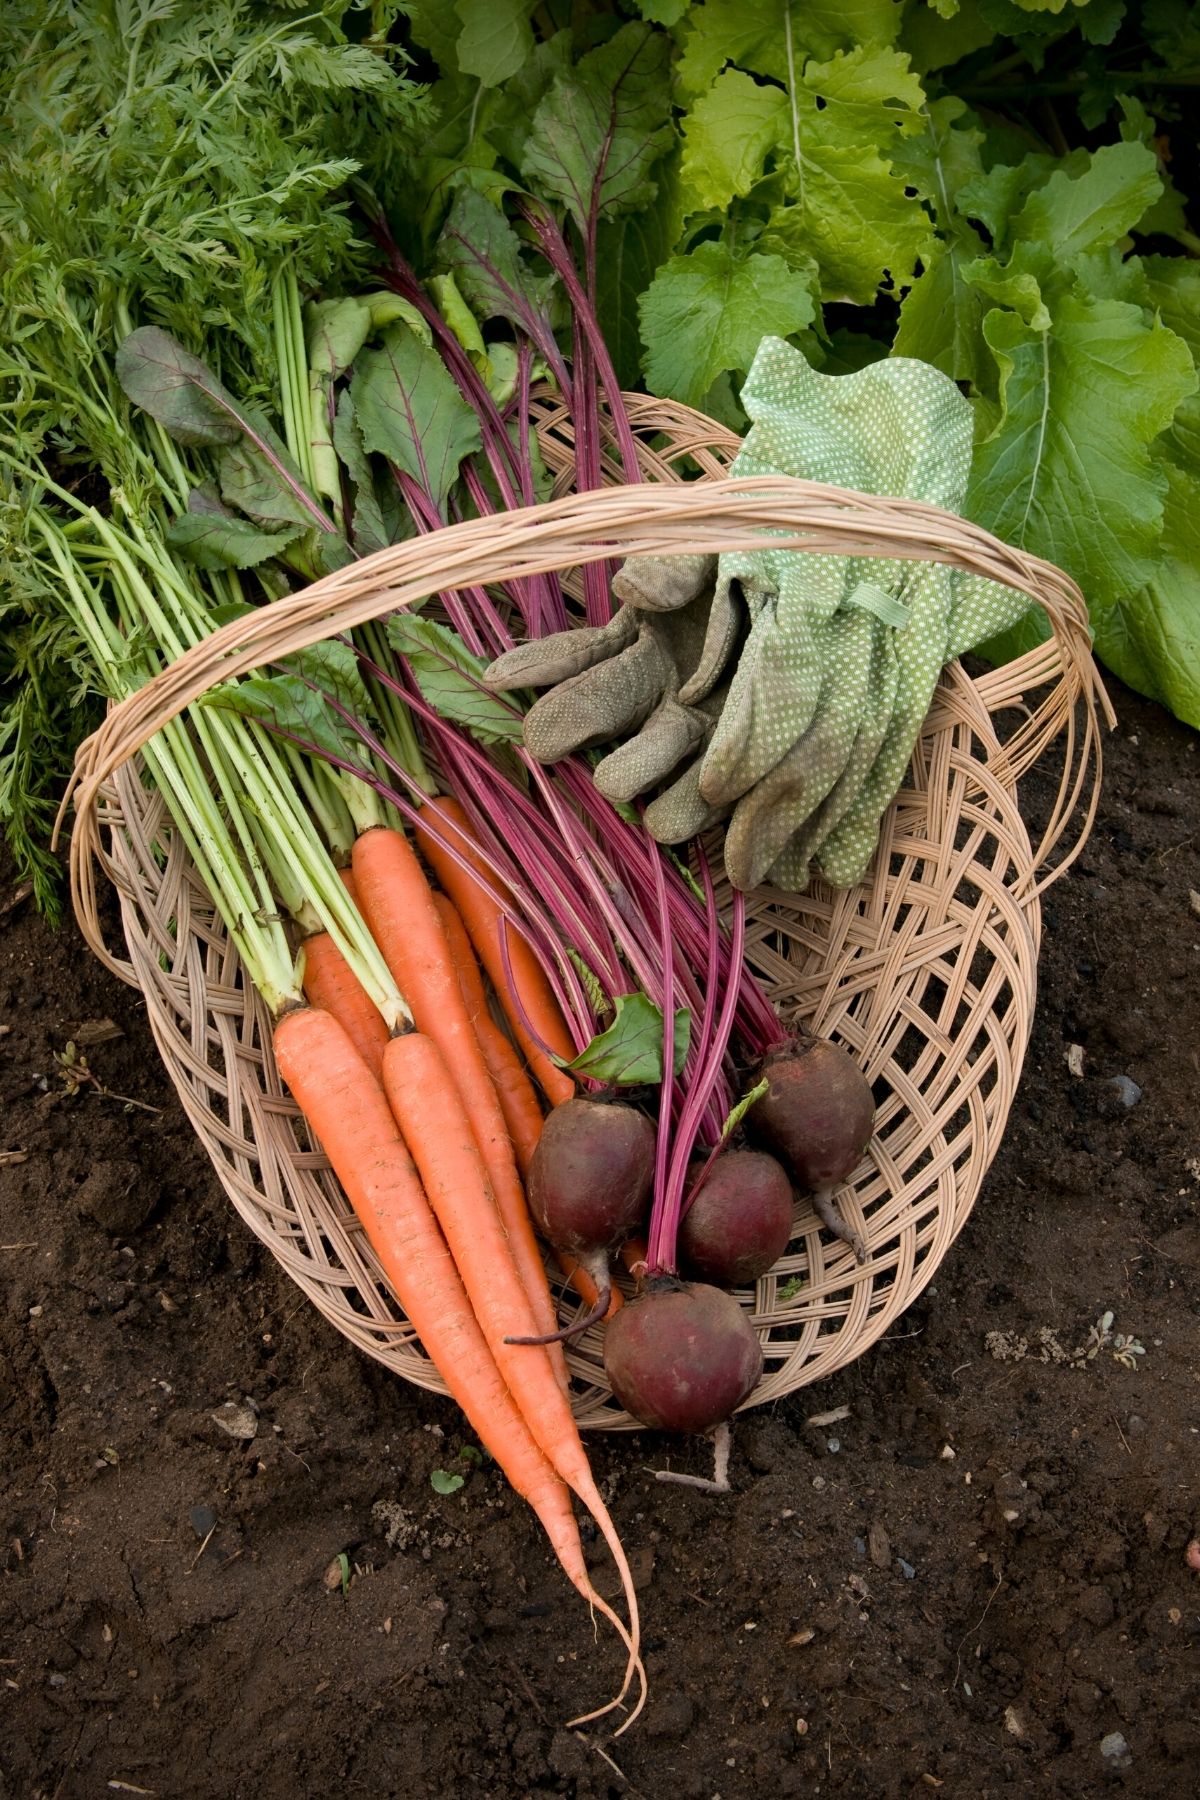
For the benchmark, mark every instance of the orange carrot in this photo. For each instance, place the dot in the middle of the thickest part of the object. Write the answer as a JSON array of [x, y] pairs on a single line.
[[349, 1112], [474, 896], [518, 1101], [522, 1112], [435, 1126], [331, 984], [397, 903]]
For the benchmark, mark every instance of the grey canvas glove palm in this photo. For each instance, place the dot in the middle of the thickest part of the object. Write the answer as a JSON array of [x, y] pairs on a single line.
[[619, 683], [842, 655]]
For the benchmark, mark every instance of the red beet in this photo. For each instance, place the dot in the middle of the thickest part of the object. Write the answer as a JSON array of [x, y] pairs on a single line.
[[681, 1356], [588, 1187], [816, 1117], [739, 1224]]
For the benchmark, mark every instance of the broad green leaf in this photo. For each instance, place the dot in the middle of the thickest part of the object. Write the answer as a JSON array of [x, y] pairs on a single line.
[[1013, 283], [630, 1052], [410, 410], [495, 39], [1152, 638], [367, 528], [333, 667], [336, 330], [212, 537], [727, 135], [706, 313], [993, 198], [935, 40], [482, 251], [436, 27], [258, 476], [941, 316], [737, 1113], [176, 388], [598, 132], [850, 213], [1173, 286], [775, 37], [284, 703], [941, 158], [662, 12], [1067, 472], [510, 108], [448, 676], [1073, 214]]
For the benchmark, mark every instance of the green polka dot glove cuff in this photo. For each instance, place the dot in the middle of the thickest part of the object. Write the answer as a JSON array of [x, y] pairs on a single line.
[[840, 655]]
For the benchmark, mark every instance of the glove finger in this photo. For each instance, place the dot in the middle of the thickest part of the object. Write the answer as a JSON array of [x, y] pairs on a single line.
[[767, 817], [681, 812], [784, 679], [662, 583], [791, 871], [649, 757], [599, 705], [730, 613], [542, 662]]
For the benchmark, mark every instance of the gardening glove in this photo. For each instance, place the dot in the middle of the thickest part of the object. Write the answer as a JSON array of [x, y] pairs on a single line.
[[843, 653], [620, 682]]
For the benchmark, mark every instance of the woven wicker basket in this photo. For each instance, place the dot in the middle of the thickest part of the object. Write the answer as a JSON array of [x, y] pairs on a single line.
[[927, 971]]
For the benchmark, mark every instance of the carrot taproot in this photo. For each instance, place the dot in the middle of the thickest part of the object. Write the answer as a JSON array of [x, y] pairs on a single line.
[[396, 901], [349, 1112], [518, 1100], [331, 984], [473, 891], [437, 1131]]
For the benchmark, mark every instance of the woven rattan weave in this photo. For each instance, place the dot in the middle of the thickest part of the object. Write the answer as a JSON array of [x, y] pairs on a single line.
[[927, 971]]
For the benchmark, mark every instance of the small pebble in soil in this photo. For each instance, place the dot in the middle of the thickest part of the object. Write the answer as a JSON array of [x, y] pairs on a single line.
[[1127, 1091], [1192, 1554], [237, 1419], [833, 1445], [905, 1568], [202, 1520], [1115, 1751]]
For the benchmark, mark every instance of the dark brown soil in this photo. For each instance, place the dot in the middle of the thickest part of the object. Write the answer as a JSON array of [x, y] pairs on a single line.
[[966, 1585]]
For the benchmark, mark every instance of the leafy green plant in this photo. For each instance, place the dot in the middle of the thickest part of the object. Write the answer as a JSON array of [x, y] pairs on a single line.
[[973, 182]]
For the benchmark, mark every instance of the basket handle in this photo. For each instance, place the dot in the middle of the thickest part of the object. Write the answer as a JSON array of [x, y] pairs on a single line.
[[652, 519]]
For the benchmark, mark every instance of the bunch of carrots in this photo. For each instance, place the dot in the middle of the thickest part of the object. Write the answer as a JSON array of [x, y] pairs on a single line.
[[424, 1129]]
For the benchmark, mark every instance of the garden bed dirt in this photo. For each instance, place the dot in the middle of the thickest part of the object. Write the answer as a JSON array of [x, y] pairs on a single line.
[[972, 1582]]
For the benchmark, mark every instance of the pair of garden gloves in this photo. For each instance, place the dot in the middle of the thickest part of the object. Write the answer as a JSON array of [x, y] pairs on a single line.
[[784, 689]]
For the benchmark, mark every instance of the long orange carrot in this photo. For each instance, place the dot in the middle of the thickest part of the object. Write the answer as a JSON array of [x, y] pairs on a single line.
[[397, 903], [331, 984], [518, 1101], [435, 1126], [349, 1112], [473, 895]]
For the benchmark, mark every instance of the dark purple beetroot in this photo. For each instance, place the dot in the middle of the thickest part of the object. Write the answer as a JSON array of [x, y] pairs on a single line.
[[818, 1113], [681, 1356], [739, 1224], [590, 1175]]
